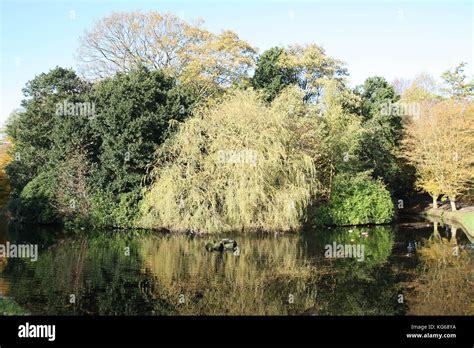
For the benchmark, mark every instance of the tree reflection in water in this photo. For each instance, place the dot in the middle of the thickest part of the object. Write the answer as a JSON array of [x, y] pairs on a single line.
[[143, 273]]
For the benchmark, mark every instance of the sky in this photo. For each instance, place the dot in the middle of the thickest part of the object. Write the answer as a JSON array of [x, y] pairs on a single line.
[[393, 39]]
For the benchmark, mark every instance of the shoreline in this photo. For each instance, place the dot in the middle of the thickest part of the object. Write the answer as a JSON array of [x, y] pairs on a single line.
[[460, 218]]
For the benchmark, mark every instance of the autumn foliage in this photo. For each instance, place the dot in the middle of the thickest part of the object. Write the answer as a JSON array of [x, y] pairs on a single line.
[[5, 158], [440, 144]]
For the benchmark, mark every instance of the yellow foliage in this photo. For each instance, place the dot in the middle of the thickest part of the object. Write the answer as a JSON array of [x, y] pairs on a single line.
[[231, 285], [445, 283], [123, 40], [5, 158], [440, 144], [312, 65], [236, 166], [422, 89]]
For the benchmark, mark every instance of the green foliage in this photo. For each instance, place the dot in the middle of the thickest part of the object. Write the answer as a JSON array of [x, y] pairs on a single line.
[[383, 131], [70, 159], [8, 307], [356, 200], [134, 112], [127, 211], [375, 93], [457, 86], [339, 138], [32, 129], [100, 160], [270, 76], [102, 206], [108, 210], [34, 204]]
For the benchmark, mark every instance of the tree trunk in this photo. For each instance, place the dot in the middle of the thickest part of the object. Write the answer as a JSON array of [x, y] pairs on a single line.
[[453, 204], [435, 230], [435, 202], [454, 231]]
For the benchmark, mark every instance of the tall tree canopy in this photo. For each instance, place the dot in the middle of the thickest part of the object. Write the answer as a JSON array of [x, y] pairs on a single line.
[[457, 86], [134, 111], [308, 67], [383, 132], [440, 144], [270, 75], [32, 129], [123, 40]]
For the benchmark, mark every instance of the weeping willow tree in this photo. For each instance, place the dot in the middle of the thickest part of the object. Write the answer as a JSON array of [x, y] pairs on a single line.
[[239, 165]]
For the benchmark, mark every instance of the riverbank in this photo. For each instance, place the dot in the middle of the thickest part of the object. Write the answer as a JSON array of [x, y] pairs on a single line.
[[463, 218]]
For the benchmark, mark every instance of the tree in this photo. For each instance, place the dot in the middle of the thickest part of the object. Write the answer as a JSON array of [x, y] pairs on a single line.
[[439, 143], [457, 86], [114, 126], [124, 40], [32, 128], [312, 67], [72, 196], [237, 166], [422, 88], [339, 135], [270, 76], [455, 146], [5, 158], [400, 85], [134, 113], [382, 134], [376, 93]]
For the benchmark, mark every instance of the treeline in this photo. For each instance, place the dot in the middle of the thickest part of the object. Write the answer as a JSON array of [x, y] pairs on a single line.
[[176, 127]]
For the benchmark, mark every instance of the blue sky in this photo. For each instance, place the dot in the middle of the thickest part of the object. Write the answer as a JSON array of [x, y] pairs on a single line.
[[387, 38]]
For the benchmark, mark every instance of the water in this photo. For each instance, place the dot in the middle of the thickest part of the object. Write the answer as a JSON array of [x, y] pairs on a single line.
[[144, 273]]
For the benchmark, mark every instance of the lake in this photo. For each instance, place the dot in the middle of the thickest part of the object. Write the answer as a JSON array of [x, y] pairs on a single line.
[[118, 272]]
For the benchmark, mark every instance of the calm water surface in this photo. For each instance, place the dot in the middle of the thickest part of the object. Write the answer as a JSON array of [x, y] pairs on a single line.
[[144, 273]]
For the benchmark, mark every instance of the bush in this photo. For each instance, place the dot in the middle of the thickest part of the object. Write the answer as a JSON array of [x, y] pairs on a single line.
[[108, 210], [356, 200], [127, 211], [34, 205]]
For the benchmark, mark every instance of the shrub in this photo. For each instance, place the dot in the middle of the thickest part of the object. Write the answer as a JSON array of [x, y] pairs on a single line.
[[356, 200], [108, 210], [127, 211], [34, 205], [102, 205]]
